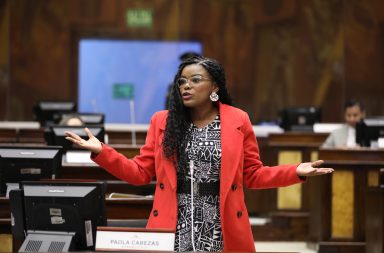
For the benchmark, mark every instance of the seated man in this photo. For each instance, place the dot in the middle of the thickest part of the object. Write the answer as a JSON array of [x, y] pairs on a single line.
[[345, 136]]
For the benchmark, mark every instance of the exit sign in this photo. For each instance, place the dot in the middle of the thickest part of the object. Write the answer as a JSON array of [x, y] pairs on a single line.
[[139, 17], [123, 91]]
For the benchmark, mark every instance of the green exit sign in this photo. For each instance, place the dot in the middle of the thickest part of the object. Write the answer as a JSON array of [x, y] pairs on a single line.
[[123, 91], [139, 17]]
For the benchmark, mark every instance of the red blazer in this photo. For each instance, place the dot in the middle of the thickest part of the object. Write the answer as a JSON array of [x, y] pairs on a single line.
[[240, 166]]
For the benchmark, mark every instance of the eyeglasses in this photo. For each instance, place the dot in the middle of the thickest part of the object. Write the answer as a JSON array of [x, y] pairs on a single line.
[[194, 80]]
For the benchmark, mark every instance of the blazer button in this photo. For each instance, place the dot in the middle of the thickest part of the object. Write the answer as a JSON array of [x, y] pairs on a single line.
[[234, 187], [155, 213], [239, 214], [161, 186]]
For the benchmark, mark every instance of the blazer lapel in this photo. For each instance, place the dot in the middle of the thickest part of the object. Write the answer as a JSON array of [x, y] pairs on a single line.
[[170, 170], [168, 165], [231, 147]]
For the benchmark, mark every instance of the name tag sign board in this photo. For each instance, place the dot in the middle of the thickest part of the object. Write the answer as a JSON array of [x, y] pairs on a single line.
[[134, 239]]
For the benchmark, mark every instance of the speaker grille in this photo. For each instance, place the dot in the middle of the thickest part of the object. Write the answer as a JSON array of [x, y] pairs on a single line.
[[56, 246], [33, 246]]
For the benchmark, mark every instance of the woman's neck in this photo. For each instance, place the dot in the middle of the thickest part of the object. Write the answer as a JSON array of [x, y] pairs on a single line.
[[203, 116]]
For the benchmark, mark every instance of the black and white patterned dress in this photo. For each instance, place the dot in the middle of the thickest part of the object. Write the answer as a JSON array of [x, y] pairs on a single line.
[[204, 149]]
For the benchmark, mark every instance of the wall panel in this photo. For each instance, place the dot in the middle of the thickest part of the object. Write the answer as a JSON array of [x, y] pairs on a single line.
[[276, 53]]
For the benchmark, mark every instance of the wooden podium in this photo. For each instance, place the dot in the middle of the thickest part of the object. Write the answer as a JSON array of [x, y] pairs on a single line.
[[337, 203], [374, 229]]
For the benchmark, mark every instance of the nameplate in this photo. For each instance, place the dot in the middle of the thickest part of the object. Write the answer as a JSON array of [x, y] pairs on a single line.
[[78, 157], [134, 239]]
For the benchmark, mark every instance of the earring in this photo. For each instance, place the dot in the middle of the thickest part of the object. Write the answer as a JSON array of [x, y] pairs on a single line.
[[214, 97]]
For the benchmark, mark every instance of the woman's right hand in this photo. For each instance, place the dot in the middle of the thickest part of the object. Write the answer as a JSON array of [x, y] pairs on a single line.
[[92, 144]]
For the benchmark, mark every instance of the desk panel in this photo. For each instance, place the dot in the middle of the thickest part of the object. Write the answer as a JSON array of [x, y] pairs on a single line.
[[374, 225], [85, 171], [31, 136], [126, 137], [338, 208], [132, 208], [129, 151], [294, 147], [8, 135]]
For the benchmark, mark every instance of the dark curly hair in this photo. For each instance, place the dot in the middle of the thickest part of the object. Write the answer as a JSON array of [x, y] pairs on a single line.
[[178, 120]]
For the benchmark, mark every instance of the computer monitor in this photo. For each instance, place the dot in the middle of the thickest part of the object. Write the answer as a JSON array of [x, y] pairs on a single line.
[[55, 135], [88, 119], [59, 215], [45, 111], [369, 131], [299, 118], [20, 163]]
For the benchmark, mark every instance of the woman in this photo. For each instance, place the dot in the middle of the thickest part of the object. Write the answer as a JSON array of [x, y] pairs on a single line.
[[201, 151]]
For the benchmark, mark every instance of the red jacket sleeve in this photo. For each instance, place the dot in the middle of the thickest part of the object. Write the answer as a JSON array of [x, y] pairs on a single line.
[[258, 176], [137, 171]]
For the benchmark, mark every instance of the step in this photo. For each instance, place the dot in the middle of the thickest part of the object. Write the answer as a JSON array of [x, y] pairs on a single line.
[[282, 226], [341, 247]]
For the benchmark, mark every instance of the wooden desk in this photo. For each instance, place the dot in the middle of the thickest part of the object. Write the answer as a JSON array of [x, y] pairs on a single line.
[[31, 135], [124, 208], [260, 202], [126, 137], [133, 134], [93, 171], [8, 135], [129, 151], [117, 209], [129, 208], [134, 208], [10, 130], [374, 220], [337, 203], [84, 171], [4, 208], [291, 148], [118, 186], [297, 139], [31, 132]]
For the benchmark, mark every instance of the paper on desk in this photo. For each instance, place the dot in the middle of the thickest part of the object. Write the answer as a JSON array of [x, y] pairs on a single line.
[[380, 142], [78, 157]]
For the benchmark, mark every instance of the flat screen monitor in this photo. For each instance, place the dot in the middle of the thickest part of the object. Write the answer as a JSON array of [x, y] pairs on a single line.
[[55, 135], [45, 111], [132, 76], [87, 118], [369, 131], [18, 163], [67, 209], [299, 118]]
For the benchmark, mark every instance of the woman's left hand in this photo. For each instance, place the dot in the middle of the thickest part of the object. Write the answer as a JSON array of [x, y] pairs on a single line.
[[312, 169]]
